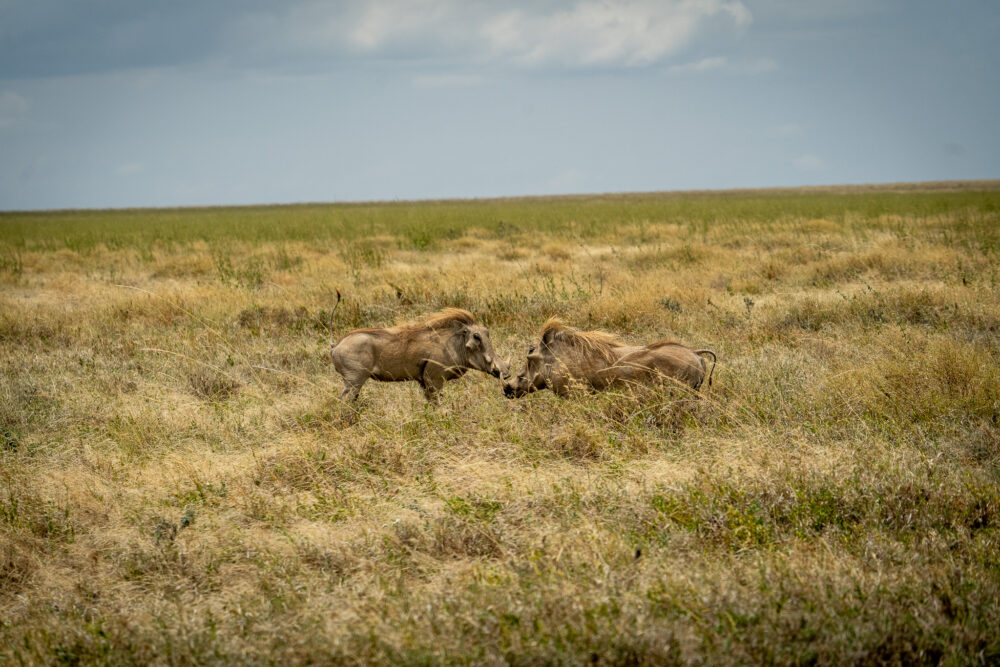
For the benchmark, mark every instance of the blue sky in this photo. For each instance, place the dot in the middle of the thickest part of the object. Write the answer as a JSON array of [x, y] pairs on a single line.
[[112, 103]]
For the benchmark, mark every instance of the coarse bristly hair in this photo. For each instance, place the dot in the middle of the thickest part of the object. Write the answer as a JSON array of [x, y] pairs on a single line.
[[443, 319], [663, 343], [597, 342]]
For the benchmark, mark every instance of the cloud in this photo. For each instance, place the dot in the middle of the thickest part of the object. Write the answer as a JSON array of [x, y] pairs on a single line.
[[13, 108], [703, 65], [388, 21], [608, 33], [582, 33], [67, 38], [721, 63], [809, 162]]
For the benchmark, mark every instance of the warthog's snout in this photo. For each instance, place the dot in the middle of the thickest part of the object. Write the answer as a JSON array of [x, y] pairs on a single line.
[[508, 390], [497, 367], [501, 369]]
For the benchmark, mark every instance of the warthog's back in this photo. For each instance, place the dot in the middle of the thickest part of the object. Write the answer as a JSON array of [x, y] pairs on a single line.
[[391, 354], [629, 365], [665, 359]]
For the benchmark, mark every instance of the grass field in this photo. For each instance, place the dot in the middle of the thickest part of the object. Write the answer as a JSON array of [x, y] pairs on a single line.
[[179, 484]]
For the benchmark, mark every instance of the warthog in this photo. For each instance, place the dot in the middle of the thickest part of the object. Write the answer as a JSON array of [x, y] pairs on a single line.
[[440, 348], [566, 357]]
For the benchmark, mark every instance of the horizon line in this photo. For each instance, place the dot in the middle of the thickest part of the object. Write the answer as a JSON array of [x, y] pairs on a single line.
[[986, 184]]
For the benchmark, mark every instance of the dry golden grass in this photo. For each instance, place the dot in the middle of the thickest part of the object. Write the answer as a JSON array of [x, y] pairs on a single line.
[[179, 484]]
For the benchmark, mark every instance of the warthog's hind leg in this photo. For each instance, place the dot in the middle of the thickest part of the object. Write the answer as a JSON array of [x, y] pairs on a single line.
[[352, 387]]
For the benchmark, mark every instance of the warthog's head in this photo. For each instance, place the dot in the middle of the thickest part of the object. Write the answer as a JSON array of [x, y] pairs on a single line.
[[479, 352], [533, 376]]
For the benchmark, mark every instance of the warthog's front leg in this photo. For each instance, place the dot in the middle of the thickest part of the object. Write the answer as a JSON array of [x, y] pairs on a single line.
[[431, 381]]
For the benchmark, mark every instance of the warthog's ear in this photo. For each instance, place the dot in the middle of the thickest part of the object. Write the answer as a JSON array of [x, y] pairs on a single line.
[[549, 336]]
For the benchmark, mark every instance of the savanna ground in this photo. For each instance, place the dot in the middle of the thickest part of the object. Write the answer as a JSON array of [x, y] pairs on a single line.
[[178, 482]]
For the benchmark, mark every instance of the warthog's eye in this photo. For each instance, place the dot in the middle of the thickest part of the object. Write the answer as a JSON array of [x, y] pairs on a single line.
[[531, 350], [477, 337]]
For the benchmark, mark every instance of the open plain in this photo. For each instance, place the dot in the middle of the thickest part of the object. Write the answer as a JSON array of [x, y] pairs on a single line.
[[178, 482]]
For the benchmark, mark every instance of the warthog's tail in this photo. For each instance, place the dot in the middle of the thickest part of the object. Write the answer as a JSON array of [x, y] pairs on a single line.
[[712, 370], [332, 345]]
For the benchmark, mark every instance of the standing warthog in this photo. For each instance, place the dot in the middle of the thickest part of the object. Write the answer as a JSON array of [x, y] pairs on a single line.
[[440, 348], [566, 357]]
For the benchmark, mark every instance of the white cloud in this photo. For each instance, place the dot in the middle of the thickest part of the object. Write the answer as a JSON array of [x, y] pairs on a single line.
[[388, 21], [578, 33], [605, 33], [809, 162], [722, 63], [13, 107], [703, 65]]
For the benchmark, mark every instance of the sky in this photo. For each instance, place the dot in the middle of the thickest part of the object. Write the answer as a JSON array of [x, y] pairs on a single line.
[[118, 103]]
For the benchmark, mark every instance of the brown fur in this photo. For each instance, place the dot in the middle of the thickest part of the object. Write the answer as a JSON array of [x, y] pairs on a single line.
[[600, 343], [443, 319], [565, 357], [446, 318], [439, 348], [662, 343]]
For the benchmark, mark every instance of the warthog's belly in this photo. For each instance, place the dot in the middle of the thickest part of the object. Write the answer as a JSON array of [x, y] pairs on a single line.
[[382, 376]]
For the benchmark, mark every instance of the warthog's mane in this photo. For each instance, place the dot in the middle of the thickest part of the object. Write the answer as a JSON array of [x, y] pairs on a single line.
[[663, 343], [443, 319], [439, 321], [588, 342]]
